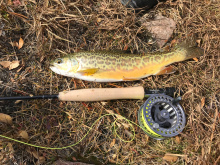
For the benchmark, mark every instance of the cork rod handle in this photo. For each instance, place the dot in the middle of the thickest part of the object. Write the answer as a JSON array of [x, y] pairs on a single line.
[[100, 94]]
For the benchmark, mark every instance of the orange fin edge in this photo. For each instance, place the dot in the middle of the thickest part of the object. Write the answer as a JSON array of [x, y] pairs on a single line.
[[166, 70]]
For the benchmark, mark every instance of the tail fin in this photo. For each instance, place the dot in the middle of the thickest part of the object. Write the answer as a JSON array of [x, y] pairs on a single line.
[[193, 50]]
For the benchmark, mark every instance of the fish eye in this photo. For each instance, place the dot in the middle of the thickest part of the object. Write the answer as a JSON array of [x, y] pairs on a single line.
[[59, 61]]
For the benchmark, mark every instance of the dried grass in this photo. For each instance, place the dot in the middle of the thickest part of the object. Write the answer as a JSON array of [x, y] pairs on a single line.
[[53, 28]]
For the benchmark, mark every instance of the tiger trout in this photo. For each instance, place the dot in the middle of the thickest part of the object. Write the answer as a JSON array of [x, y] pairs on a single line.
[[104, 66]]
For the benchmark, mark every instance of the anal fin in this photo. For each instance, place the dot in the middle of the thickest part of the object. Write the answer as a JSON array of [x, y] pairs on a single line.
[[130, 79], [166, 70]]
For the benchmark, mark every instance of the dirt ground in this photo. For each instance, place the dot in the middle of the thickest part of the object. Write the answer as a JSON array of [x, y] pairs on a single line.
[[34, 32]]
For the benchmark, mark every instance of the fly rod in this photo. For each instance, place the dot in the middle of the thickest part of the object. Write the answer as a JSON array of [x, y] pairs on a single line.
[[99, 94]]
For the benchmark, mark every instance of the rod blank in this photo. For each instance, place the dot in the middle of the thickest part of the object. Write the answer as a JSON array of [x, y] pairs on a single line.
[[29, 97]]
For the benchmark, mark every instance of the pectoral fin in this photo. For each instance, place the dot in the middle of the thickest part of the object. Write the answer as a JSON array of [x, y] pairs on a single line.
[[166, 70], [88, 72]]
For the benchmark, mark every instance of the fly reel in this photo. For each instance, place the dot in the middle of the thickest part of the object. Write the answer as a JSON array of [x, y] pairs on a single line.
[[161, 116]]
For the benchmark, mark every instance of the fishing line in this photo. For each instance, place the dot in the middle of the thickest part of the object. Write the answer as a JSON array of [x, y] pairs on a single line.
[[118, 117]]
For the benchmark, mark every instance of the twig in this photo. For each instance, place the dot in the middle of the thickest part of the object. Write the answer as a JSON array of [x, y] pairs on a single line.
[[58, 37], [18, 15], [217, 160]]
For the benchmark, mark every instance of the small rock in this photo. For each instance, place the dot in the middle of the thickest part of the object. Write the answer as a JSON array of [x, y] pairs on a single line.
[[161, 28]]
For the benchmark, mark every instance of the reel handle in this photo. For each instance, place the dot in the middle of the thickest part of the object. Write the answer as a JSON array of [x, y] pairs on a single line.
[[100, 94]]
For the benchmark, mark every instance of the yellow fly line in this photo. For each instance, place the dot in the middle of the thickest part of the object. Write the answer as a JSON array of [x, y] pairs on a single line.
[[131, 123]]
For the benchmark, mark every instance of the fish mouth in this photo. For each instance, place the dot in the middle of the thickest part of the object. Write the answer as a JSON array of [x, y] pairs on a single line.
[[51, 65], [54, 69]]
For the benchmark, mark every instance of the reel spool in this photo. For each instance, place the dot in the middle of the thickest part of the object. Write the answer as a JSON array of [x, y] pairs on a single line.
[[161, 116]]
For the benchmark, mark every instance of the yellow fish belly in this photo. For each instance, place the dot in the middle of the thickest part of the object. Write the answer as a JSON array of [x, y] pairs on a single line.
[[143, 67]]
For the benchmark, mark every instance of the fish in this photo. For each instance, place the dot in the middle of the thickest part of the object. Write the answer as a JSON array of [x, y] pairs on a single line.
[[114, 66]]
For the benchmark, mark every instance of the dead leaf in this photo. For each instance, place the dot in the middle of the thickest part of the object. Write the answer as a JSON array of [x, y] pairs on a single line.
[[20, 43], [5, 118], [146, 138], [202, 102], [126, 125], [18, 101], [118, 124], [1, 157], [24, 135], [114, 156], [195, 59], [173, 42], [112, 143], [198, 42], [110, 112], [9, 2], [119, 117], [57, 1], [170, 158], [42, 58], [99, 20], [14, 44], [12, 80], [166, 48], [125, 47], [13, 65], [177, 139], [10, 147], [42, 159], [35, 154], [33, 1], [104, 103], [5, 64], [17, 2], [129, 134]]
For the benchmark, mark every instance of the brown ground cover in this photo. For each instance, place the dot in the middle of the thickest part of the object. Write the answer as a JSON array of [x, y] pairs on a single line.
[[46, 29]]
